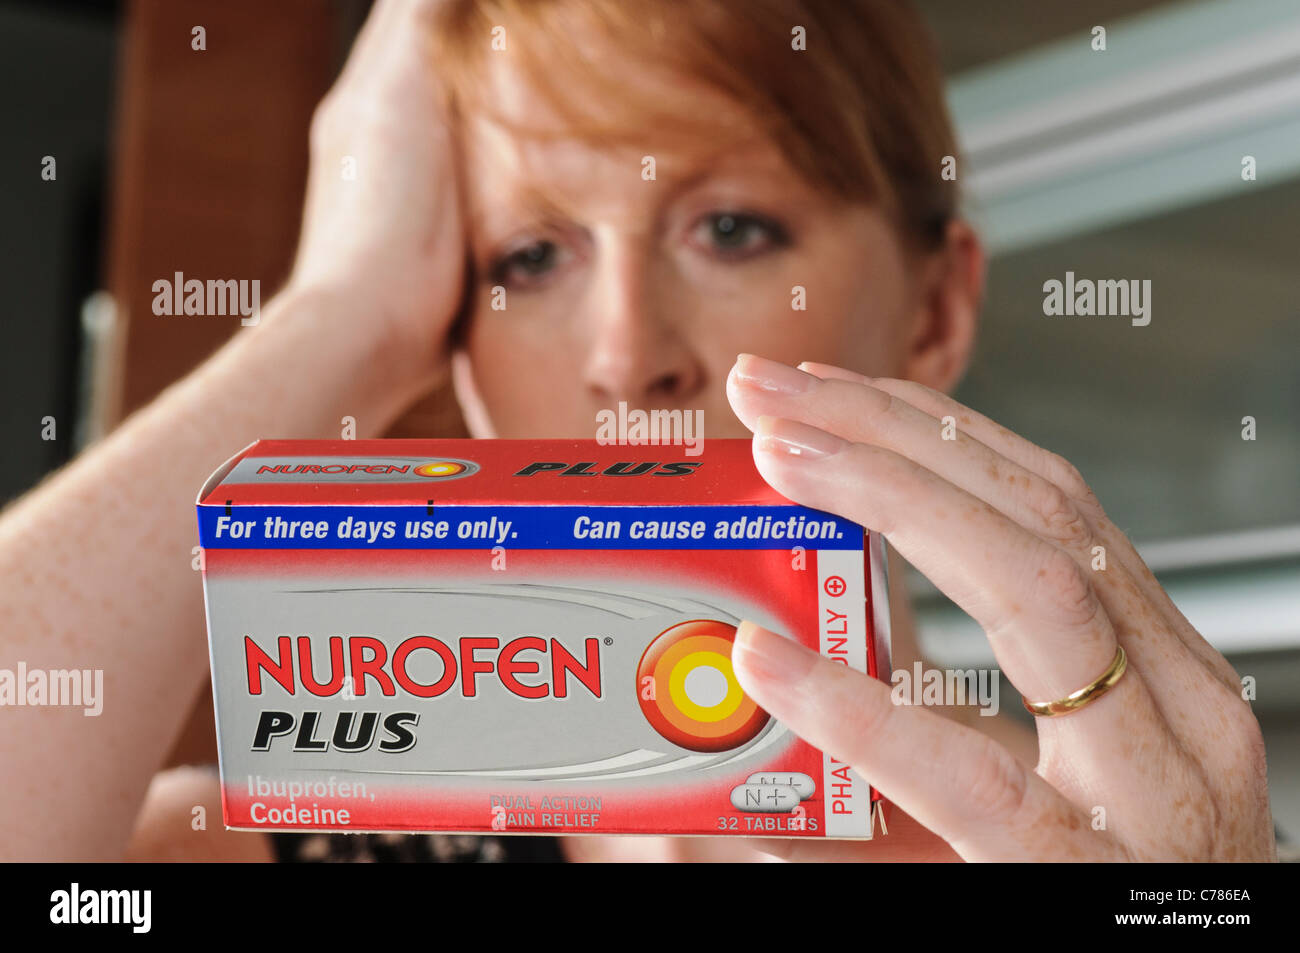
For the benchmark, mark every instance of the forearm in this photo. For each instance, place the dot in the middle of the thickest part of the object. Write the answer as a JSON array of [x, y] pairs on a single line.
[[97, 566]]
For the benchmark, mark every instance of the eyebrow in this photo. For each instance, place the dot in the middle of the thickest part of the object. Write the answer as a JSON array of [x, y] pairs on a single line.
[[532, 200]]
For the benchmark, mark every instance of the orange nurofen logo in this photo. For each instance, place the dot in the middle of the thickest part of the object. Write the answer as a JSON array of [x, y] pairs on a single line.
[[441, 468], [689, 693]]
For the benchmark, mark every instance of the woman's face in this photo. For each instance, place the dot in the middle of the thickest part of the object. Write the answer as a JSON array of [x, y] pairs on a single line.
[[623, 287]]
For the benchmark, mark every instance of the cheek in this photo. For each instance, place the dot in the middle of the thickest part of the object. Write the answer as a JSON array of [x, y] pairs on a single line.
[[857, 330], [816, 306], [514, 358], [857, 301]]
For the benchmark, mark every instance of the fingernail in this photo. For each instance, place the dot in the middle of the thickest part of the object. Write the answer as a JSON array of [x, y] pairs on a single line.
[[777, 435], [771, 376], [818, 371], [771, 657]]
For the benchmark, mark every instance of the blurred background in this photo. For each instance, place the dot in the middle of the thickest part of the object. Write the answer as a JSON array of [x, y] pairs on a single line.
[[1125, 162]]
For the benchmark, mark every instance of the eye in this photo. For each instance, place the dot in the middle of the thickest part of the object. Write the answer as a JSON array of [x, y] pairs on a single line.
[[737, 235], [526, 266]]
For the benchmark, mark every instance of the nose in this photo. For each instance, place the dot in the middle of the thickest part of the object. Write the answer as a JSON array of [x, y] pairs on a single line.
[[637, 351]]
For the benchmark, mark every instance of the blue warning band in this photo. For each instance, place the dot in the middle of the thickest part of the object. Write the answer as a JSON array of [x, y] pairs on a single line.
[[524, 527]]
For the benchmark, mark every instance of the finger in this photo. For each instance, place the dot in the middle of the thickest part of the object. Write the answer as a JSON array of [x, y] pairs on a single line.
[[1046, 464], [393, 31], [863, 413], [1058, 471], [374, 40], [1044, 622], [866, 414], [1048, 630], [1164, 650], [956, 782]]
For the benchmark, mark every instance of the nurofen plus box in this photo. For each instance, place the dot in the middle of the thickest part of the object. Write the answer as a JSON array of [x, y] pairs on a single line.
[[523, 636]]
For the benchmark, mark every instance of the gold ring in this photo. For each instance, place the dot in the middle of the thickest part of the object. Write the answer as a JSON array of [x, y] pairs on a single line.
[[1089, 693]]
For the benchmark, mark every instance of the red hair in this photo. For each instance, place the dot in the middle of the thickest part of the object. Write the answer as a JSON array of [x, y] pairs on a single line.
[[859, 111]]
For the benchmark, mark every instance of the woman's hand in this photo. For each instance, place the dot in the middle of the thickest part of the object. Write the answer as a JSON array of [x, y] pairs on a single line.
[[1167, 765], [383, 227]]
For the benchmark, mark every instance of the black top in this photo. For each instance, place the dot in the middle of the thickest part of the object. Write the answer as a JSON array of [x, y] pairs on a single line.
[[416, 848]]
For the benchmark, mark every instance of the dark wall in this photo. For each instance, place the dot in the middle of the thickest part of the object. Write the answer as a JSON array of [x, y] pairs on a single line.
[[57, 71]]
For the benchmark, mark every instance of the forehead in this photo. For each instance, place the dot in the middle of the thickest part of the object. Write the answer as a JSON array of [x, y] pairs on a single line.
[[579, 141]]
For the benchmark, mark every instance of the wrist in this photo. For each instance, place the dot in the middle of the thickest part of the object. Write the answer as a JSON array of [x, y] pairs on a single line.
[[400, 347], [338, 356]]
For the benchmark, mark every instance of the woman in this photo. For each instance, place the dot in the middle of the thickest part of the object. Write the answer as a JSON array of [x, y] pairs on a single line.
[[610, 204]]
